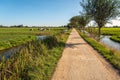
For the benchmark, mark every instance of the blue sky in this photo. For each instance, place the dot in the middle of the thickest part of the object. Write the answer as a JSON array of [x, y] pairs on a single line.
[[38, 12]]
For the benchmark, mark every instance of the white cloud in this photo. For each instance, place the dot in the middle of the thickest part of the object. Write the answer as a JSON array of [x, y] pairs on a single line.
[[114, 23]]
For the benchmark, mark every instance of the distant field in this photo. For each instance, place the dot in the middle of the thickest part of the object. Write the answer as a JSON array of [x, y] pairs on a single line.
[[110, 31], [105, 31], [28, 31], [10, 37]]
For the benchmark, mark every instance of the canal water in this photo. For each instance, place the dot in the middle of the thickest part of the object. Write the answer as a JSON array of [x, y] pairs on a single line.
[[110, 43], [8, 52], [41, 37], [107, 41]]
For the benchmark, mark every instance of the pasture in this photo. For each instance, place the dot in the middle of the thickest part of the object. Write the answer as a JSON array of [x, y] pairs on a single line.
[[104, 31], [10, 37], [110, 31]]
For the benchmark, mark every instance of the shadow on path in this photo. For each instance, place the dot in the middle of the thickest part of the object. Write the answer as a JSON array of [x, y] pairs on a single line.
[[73, 45]]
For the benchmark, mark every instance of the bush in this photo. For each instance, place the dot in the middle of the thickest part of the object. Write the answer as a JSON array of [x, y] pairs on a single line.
[[51, 41]]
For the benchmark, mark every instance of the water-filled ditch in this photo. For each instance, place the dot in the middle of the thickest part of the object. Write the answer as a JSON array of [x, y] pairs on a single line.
[[8, 52]]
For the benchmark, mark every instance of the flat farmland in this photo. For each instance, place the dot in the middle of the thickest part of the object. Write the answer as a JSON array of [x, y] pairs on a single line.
[[10, 37]]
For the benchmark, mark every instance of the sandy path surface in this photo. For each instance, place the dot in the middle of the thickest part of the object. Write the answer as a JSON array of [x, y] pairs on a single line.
[[80, 61]]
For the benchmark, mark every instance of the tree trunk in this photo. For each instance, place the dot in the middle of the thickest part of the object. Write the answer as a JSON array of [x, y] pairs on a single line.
[[83, 30], [99, 33]]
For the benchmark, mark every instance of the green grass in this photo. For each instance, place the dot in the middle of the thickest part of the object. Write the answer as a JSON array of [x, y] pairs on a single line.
[[36, 61], [110, 31], [27, 31], [7, 41], [115, 38], [105, 31], [111, 55], [10, 37]]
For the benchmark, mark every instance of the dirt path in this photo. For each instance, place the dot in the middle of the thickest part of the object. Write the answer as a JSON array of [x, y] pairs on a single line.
[[80, 61]]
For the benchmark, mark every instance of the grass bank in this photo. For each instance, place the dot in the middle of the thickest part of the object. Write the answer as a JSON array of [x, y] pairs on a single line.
[[36, 61], [112, 56], [8, 41], [115, 38]]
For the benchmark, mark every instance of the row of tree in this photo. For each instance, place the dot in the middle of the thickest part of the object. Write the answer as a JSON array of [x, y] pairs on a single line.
[[101, 11]]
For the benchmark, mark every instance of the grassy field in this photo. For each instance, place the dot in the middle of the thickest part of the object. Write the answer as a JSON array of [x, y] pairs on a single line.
[[29, 31], [111, 55], [105, 31], [10, 37], [110, 31], [8, 41], [36, 61]]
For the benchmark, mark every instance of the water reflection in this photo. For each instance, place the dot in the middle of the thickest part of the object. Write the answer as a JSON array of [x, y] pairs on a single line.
[[106, 41], [110, 43], [7, 53], [41, 37]]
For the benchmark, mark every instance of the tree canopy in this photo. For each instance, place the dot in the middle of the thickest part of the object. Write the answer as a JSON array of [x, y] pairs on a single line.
[[101, 11], [83, 20]]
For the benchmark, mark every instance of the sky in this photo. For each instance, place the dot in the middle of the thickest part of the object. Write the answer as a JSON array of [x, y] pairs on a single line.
[[40, 12]]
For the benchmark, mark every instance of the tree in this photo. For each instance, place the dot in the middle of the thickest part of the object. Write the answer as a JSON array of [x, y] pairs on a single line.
[[1, 26], [83, 21], [74, 21], [101, 10]]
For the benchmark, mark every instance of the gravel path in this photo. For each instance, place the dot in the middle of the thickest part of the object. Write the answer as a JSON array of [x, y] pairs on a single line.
[[80, 61]]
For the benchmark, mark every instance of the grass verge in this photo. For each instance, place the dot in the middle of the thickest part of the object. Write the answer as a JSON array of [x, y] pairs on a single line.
[[111, 55]]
